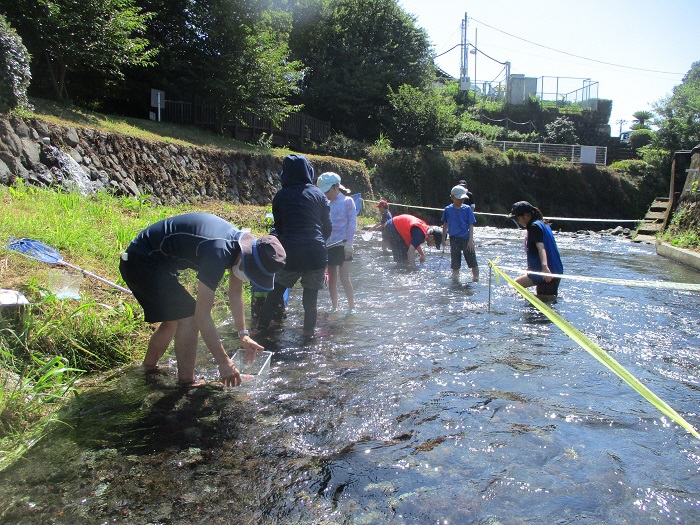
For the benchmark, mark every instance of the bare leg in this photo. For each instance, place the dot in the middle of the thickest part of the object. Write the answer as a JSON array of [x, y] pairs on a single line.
[[186, 338], [347, 285], [158, 344], [475, 274], [524, 281], [333, 284]]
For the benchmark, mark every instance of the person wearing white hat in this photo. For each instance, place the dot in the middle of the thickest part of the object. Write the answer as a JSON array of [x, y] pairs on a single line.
[[458, 220], [344, 221]]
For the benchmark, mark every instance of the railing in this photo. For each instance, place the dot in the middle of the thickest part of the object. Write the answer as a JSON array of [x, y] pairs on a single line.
[[575, 154], [296, 126]]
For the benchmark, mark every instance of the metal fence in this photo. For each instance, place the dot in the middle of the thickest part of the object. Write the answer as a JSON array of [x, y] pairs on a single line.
[[295, 127], [575, 154]]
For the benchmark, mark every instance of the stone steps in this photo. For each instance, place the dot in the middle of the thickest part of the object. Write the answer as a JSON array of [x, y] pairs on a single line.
[[654, 221]]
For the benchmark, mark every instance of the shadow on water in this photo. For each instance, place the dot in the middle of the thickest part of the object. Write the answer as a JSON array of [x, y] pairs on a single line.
[[422, 407]]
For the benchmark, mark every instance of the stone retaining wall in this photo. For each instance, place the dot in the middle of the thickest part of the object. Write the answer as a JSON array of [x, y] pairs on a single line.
[[51, 155]]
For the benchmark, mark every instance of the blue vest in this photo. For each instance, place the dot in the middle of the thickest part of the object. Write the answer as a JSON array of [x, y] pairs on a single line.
[[550, 248]]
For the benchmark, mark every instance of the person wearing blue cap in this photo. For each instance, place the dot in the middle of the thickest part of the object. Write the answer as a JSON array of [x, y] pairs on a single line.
[[209, 245], [541, 250]]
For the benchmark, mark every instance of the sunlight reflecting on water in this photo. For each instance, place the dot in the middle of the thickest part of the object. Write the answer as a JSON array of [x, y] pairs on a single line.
[[422, 407]]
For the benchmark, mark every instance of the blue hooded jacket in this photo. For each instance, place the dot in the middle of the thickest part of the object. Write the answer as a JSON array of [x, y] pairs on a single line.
[[302, 216]]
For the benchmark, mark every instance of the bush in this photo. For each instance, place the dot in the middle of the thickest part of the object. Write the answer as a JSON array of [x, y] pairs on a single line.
[[561, 131], [631, 166], [467, 141], [14, 69], [641, 137], [339, 145]]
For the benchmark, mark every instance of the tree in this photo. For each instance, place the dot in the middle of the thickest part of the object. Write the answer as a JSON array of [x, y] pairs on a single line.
[[419, 117], [641, 118], [15, 75], [233, 54], [66, 37], [357, 51], [242, 59], [561, 131], [678, 116]]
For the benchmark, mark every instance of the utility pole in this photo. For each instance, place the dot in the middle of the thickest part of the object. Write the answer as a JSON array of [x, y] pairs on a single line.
[[464, 66], [473, 52], [620, 122]]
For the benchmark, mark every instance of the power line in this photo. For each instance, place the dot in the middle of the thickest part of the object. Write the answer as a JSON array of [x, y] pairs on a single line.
[[571, 54]]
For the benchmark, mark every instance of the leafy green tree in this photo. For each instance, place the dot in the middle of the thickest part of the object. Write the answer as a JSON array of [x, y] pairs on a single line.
[[561, 131], [419, 117], [242, 59], [15, 75], [233, 54], [357, 51], [678, 116], [94, 37]]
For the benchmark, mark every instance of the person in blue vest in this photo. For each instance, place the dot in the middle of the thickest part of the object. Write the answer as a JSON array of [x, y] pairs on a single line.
[[209, 245], [540, 248]]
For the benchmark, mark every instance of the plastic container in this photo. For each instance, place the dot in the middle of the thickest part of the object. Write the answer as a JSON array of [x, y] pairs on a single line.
[[252, 371], [14, 311], [65, 285]]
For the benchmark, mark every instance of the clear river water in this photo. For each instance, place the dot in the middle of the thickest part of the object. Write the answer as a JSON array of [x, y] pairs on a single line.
[[423, 407]]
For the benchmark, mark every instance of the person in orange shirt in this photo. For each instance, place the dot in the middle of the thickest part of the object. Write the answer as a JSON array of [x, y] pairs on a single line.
[[406, 233]]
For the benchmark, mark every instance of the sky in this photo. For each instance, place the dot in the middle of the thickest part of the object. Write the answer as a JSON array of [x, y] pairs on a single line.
[[636, 50]]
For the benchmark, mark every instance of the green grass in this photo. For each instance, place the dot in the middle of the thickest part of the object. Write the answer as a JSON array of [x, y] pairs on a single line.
[[145, 129], [61, 340]]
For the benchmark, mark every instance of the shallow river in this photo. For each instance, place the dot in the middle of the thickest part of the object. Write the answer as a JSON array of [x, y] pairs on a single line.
[[421, 408]]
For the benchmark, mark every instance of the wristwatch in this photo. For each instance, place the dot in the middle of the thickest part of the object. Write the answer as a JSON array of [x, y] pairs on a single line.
[[243, 332]]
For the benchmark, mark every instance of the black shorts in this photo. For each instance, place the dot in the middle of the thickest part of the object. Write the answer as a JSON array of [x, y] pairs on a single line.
[[336, 256], [157, 289], [550, 288], [458, 248]]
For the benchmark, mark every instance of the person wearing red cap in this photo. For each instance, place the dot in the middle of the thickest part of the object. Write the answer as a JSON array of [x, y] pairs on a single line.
[[209, 245], [383, 208]]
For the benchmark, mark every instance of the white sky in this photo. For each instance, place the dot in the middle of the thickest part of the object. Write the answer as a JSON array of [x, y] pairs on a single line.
[[647, 45]]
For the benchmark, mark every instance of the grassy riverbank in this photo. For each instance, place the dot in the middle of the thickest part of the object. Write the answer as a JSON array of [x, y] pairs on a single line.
[[62, 341]]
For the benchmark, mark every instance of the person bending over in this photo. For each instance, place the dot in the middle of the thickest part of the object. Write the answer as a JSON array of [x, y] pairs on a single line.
[[209, 245]]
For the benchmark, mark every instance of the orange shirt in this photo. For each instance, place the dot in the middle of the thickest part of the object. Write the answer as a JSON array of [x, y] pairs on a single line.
[[404, 223]]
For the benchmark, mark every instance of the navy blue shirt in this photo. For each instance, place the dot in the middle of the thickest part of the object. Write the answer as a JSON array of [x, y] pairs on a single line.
[[198, 241], [302, 216]]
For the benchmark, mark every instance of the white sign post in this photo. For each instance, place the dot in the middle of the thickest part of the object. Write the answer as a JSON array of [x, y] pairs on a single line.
[[158, 100]]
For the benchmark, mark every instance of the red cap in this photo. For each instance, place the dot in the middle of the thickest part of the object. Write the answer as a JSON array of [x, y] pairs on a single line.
[[382, 204]]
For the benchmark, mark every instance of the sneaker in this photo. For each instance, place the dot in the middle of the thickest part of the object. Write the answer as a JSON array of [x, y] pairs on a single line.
[[332, 311], [350, 311]]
